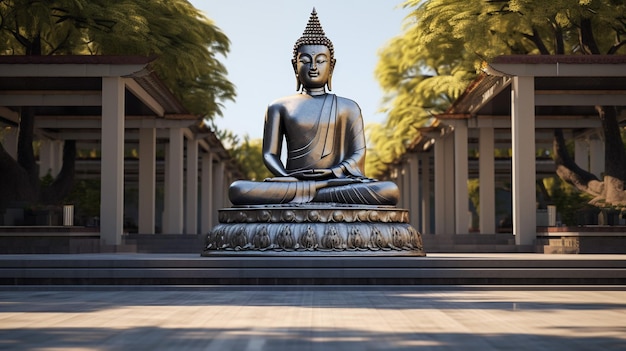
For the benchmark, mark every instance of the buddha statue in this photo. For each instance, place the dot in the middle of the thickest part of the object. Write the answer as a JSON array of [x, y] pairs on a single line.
[[324, 138]]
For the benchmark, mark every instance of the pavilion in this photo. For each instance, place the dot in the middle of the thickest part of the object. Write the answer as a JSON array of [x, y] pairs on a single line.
[[510, 105], [113, 102]]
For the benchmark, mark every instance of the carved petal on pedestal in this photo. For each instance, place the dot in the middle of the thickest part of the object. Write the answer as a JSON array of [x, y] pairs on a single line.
[[355, 239], [308, 239], [331, 239], [220, 239], [239, 239], [261, 240], [377, 240], [398, 240], [416, 239], [285, 239]]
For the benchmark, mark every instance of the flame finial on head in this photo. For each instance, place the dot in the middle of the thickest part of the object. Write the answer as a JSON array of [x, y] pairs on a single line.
[[313, 35]]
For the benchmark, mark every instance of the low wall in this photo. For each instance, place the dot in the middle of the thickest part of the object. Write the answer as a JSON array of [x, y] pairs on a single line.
[[582, 240]]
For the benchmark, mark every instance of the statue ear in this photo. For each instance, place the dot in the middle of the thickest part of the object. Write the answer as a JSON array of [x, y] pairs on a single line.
[[330, 76], [295, 71]]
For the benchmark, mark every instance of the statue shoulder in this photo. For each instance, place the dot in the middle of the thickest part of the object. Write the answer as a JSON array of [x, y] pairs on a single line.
[[350, 105], [282, 103]]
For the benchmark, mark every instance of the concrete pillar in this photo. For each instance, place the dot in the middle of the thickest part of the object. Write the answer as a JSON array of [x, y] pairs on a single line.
[[487, 191], [406, 184], [45, 158], [444, 186], [414, 194], [219, 170], [166, 177], [439, 187], [425, 193], [174, 182], [581, 153], [596, 156], [191, 217], [57, 157], [147, 180], [461, 197], [448, 175], [206, 216], [112, 173], [10, 141], [524, 174], [50, 157]]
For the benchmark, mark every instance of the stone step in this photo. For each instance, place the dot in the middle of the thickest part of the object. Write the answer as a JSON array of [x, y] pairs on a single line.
[[438, 269]]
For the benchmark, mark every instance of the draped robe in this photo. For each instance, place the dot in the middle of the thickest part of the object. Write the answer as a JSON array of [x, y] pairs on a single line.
[[331, 137]]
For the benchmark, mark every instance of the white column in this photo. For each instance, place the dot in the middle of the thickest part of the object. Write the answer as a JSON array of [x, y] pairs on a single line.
[[524, 175], [174, 183], [50, 157], [112, 173], [448, 175], [191, 217], [425, 196], [218, 188], [57, 157], [206, 216], [440, 192], [461, 197], [166, 176], [45, 158], [414, 194], [487, 186], [581, 153], [444, 186], [406, 184], [10, 141], [596, 156], [147, 180]]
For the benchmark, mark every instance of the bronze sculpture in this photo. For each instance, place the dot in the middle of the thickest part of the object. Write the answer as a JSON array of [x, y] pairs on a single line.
[[320, 200], [324, 136]]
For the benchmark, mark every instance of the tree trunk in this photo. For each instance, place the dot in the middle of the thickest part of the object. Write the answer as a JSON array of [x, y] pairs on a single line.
[[25, 151], [614, 156], [14, 182], [570, 172], [64, 182], [610, 191]]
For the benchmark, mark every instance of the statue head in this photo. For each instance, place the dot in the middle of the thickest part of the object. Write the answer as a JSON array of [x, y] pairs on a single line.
[[311, 49]]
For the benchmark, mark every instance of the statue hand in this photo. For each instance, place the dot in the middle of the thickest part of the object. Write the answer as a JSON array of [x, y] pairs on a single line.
[[313, 174]]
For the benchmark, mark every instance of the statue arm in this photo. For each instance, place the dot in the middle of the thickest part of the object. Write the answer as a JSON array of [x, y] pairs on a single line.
[[354, 143], [272, 142]]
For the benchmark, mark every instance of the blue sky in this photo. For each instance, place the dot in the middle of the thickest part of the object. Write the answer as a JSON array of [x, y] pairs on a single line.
[[262, 34]]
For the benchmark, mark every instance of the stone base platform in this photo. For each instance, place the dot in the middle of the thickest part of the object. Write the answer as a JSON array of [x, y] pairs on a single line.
[[581, 240], [328, 229]]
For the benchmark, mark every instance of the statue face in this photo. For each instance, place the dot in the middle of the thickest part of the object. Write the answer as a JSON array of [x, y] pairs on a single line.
[[313, 65]]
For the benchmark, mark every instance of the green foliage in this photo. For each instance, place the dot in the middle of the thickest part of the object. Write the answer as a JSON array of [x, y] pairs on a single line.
[[85, 196], [446, 42], [567, 199], [249, 156], [473, 189], [185, 42]]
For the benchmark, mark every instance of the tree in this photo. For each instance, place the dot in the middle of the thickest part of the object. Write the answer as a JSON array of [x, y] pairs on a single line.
[[446, 42], [185, 42], [249, 156]]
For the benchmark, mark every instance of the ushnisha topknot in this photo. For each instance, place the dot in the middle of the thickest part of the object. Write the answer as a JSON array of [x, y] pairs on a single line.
[[313, 35]]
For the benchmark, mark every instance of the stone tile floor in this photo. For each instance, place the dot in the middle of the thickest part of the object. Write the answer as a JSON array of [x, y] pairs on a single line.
[[313, 318]]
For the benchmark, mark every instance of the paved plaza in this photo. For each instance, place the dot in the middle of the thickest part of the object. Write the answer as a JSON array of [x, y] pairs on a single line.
[[313, 318]]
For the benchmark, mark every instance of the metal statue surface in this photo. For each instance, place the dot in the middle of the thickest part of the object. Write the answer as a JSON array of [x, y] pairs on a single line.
[[324, 138], [319, 201]]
